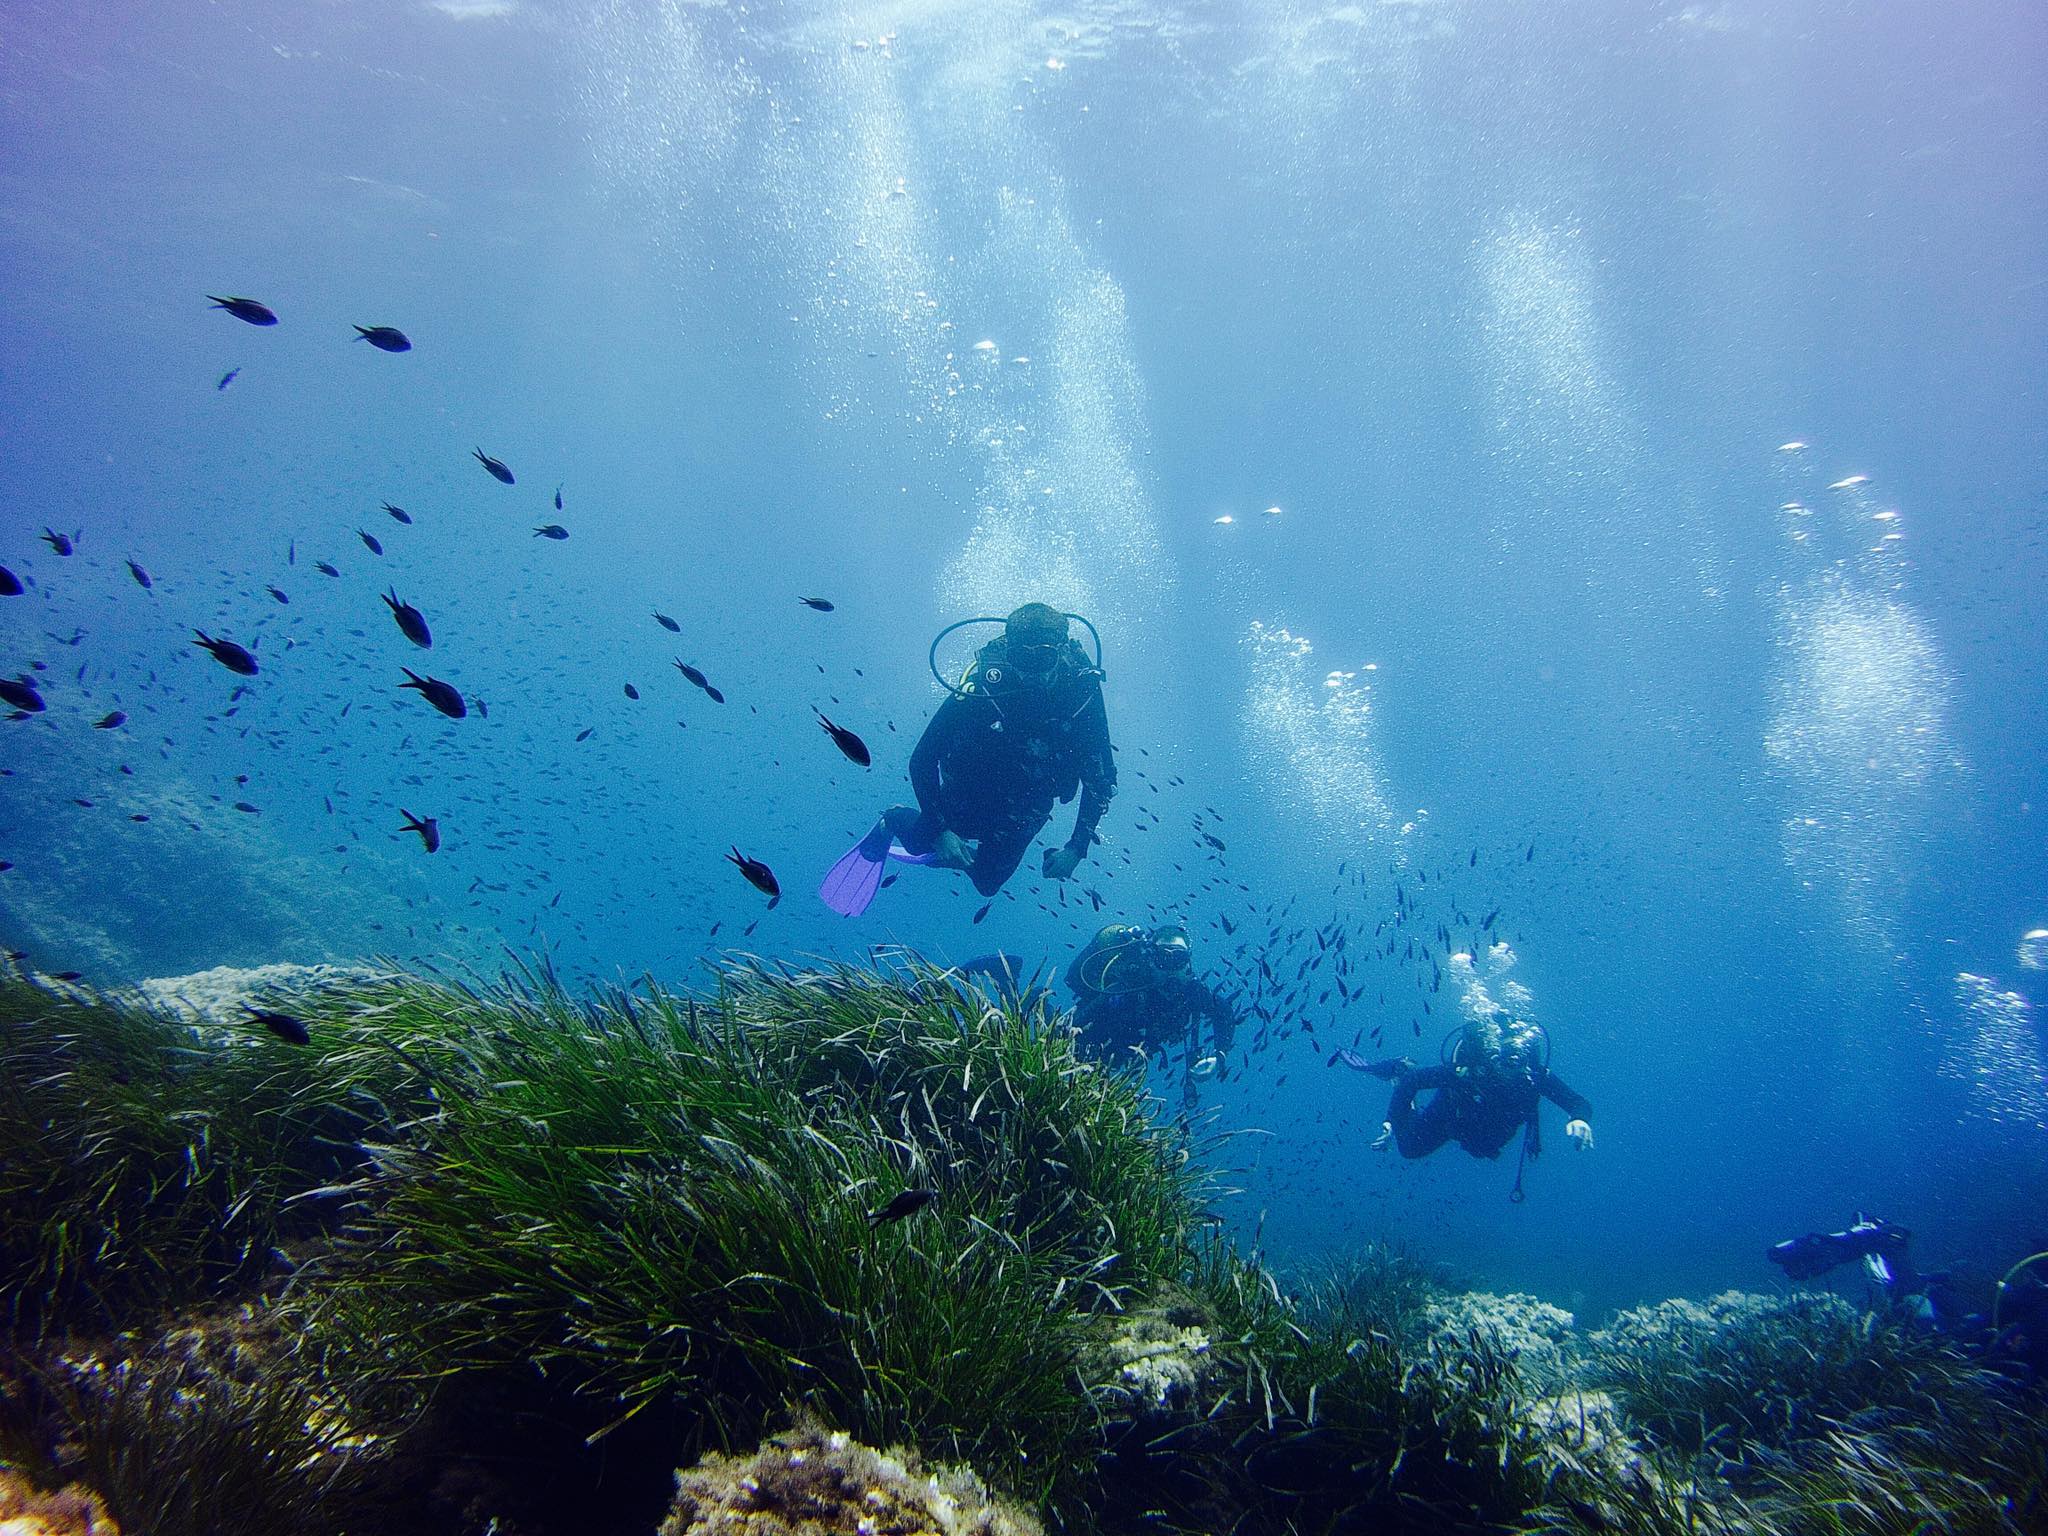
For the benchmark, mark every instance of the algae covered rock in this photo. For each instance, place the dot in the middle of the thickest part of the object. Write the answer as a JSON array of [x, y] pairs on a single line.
[[72, 1511], [220, 995], [211, 1427], [814, 1482], [1543, 1340], [1152, 1361]]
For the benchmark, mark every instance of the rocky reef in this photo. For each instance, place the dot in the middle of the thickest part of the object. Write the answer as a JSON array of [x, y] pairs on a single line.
[[814, 1482], [493, 1261]]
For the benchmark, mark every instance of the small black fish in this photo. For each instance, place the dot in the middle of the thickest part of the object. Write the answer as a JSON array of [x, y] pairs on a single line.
[[410, 622], [227, 653], [245, 309], [325, 569], [370, 541], [10, 584], [226, 379], [558, 498], [62, 543], [982, 911], [281, 597], [246, 808], [818, 603], [385, 338], [110, 722], [399, 514], [496, 466], [668, 624], [69, 976], [141, 576], [855, 749], [22, 695], [713, 694], [759, 875], [437, 693], [905, 1202], [632, 692], [429, 829], [551, 531], [584, 734], [288, 1029]]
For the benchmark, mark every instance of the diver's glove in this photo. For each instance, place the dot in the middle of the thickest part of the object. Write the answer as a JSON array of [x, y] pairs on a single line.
[[1385, 1139], [1061, 862], [1579, 1134]]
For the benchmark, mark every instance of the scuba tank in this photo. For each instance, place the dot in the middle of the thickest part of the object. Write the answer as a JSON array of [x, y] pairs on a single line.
[[1112, 963], [1498, 1049], [988, 675]]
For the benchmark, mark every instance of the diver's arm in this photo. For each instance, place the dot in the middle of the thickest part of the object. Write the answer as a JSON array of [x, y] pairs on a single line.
[[944, 729], [1577, 1107], [1098, 775], [1565, 1097], [1222, 1017]]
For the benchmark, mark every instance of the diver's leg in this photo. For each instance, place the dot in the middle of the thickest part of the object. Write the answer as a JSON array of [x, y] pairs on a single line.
[[915, 827], [1418, 1132], [924, 832], [997, 855]]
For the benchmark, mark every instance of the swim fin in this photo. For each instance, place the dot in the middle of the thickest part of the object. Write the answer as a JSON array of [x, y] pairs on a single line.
[[851, 883]]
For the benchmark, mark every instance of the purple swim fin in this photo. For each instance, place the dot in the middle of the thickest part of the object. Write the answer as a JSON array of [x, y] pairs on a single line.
[[851, 883]]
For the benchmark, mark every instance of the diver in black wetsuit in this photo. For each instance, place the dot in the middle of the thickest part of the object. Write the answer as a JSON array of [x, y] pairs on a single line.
[[1024, 728], [1492, 1085], [1132, 990], [2013, 1338]]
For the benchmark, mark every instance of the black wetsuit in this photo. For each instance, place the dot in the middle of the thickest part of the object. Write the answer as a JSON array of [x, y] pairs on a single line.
[[1168, 1012], [1481, 1115], [998, 754]]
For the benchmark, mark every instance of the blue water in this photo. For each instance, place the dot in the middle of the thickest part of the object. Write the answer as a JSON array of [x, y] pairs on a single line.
[[1507, 308]]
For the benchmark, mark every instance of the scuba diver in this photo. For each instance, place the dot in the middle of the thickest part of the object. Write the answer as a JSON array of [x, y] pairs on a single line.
[[1023, 727], [1132, 990], [1488, 1085], [1881, 1247], [2014, 1335]]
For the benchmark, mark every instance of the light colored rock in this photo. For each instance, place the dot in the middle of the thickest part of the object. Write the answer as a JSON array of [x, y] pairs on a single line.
[[1543, 1339], [70, 1511], [815, 1482], [220, 995]]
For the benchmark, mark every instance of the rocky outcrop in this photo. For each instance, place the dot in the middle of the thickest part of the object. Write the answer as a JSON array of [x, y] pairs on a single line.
[[815, 1482]]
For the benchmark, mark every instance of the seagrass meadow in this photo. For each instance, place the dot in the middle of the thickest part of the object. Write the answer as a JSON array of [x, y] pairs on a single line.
[[500, 1259]]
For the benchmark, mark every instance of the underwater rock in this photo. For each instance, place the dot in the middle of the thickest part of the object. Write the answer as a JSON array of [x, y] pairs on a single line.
[[212, 1426], [1543, 1339], [219, 996], [69, 1511], [1682, 1323], [1590, 1426], [815, 1482], [1154, 1361]]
